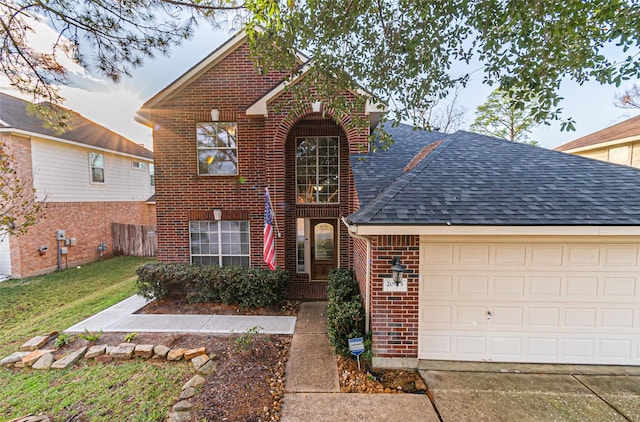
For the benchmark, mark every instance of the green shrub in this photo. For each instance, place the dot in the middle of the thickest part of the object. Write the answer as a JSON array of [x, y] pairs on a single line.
[[345, 313], [245, 287]]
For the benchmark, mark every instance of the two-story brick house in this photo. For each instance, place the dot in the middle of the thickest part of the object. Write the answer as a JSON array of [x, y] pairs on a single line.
[[512, 252]]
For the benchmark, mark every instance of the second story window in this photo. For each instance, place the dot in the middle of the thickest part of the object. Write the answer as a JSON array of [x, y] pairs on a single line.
[[152, 175], [96, 163], [317, 170], [217, 148]]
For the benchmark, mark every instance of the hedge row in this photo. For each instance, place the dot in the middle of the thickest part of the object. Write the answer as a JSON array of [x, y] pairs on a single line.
[[345, 313], [245, 287]]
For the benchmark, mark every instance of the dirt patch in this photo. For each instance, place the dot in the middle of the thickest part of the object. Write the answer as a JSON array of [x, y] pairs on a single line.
[[248, 384], [178, 305], [373, 380]]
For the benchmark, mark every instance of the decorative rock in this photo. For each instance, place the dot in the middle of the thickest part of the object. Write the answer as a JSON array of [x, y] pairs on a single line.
[[13, 358], [44, 362], [182, 406], [143, 350], [95, 351], [195, 381], [160, 351], [181, 417], [208, 368], [70, 359], [420, 385], [192, 353], [110, 349], [187, 393], [175, 354], [104, 359], [32, 357], [35, 343], [198, 361], [123, 351]]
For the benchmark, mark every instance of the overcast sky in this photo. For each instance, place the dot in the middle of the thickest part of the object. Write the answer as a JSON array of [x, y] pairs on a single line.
[[113, 106]]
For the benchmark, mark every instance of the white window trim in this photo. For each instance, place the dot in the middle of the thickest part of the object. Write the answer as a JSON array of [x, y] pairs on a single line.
[[141, 165], [104, 175], [220, 255]]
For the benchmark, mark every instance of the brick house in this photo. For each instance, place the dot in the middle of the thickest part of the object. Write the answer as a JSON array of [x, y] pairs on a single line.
[[511, 252], [89, 178]]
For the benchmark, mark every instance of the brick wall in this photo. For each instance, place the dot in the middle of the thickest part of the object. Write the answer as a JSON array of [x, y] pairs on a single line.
[[88, 222], [394, 316], [231, 86]]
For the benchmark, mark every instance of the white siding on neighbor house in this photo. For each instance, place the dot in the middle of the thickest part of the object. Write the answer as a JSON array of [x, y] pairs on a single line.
[[62, 172], [5, 255], [530, 301]]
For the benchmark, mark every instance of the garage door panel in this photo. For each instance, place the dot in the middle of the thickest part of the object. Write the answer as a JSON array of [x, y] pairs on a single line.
[[618, 286], [545, 285], [504, 316], [616, 318], [565, 303], [472, 285], [582, 286], [543, 317]]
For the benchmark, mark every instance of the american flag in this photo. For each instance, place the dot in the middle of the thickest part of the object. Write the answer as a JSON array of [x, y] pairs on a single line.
[[269, 243]]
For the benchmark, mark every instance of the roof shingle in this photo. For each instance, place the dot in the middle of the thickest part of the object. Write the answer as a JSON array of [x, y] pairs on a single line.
[[473, 179]]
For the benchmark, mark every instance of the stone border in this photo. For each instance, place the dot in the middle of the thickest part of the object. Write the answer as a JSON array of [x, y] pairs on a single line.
[[32, 356]]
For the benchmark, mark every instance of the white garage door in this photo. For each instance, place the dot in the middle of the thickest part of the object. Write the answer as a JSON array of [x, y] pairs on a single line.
[[530, 301]]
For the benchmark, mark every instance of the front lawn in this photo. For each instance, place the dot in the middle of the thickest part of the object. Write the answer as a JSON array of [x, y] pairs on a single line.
[[134, 390]]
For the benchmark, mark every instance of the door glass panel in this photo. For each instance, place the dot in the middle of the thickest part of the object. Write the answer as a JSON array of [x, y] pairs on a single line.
[[323, 238], [300, 246]]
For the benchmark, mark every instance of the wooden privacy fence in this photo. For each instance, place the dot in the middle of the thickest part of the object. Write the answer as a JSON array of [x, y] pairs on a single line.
[[134, 240]]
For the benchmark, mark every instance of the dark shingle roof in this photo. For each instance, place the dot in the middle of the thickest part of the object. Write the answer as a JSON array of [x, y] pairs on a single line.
[[626, 129], [374, 172], [472, 179], [14, 115]]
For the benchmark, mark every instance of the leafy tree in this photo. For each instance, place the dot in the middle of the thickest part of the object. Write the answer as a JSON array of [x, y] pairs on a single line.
[[628, 98], [404, 52], [502, 117], [18, 208]]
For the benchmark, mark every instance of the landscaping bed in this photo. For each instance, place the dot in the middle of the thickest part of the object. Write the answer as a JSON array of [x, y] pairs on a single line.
[[178, 305]]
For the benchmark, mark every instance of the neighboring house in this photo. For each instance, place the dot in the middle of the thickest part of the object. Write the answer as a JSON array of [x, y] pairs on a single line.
[[89, 178], [618, 144], [513, 253]]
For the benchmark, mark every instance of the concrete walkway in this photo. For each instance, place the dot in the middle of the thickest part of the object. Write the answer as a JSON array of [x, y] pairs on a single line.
[[121, 318], [312, 390]]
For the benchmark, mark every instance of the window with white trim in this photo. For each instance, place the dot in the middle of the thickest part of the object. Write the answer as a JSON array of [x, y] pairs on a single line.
[[317, 170], [152, 175], [96, 164], [221, 243], [217, 148], [139, 165]]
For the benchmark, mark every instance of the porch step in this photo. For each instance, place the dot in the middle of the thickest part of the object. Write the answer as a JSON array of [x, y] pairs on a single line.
[[307, 291]]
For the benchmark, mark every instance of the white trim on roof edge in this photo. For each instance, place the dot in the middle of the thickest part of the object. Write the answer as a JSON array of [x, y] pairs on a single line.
[[605, 144], [197, 70], [260, 107], [372, 230], [27, 134]]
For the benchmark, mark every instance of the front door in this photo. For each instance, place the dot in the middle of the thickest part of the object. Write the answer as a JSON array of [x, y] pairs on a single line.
[[323, 248]]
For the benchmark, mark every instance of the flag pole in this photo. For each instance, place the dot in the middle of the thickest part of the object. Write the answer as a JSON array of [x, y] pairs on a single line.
[[275, 221]]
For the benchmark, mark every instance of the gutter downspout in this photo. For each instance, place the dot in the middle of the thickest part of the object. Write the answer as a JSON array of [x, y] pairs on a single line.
[[367, 296]]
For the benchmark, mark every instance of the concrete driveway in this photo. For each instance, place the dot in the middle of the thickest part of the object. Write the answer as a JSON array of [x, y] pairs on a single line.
[[493, 392]]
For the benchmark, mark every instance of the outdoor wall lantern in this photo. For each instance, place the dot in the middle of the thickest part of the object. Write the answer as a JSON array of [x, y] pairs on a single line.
[[215, 114], [316, 106], [217, 214], [397, 270]]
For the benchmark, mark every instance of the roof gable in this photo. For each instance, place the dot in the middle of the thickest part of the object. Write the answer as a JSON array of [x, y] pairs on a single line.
[[14, 116], [472, 179], [626, 131]]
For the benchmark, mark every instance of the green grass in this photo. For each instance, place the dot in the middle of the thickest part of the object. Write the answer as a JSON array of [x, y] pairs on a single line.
[[54, 302], [130, 391]]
